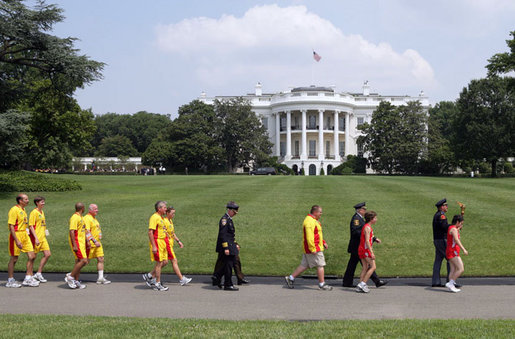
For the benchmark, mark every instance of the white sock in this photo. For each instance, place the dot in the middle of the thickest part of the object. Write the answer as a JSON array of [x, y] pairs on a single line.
[[10, 279], [292, 278], [27, 277], [321, 284], [452, 282], [362, 283], [100, 274]]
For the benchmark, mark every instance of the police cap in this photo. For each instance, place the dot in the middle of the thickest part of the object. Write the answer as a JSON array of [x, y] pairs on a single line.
[[441, 202], [360, 205], [232, 205]]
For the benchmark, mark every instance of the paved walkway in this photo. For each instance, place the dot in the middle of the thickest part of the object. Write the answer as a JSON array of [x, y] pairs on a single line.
[[264, 298]]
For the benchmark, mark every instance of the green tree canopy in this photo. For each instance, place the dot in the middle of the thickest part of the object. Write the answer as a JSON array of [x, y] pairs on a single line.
[[395, 138], [502, 63], [240, 133], [116, 146], [485, 123], [13, 138]]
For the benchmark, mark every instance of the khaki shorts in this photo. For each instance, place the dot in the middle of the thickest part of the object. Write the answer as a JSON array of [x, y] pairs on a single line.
[[313, 259]]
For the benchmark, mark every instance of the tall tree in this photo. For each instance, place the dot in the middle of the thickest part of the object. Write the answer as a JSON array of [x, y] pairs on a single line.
[[13, 138], [485, 124], [116, 146], [502, 63], [395, 138], [240, 133], [440, 155]]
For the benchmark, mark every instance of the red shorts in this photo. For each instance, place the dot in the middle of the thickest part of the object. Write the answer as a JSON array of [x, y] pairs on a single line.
[[452, 254], [169, 249], [362, 254]]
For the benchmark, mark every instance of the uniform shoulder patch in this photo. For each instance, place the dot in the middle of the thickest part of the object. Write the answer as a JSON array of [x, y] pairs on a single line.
[[442, 216], [356, 222], [224, 221]]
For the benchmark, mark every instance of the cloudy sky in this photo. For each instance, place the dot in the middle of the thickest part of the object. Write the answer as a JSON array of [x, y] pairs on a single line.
[[162, 54]]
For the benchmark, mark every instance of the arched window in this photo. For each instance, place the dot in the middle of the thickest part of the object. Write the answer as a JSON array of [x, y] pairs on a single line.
[[312, 169]]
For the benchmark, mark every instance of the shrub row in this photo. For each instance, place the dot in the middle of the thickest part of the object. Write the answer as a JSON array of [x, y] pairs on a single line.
[[22, 181]]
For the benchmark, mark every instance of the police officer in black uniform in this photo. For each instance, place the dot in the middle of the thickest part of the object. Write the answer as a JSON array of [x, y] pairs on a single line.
[[356, 224], [227, 248], [440, 226]]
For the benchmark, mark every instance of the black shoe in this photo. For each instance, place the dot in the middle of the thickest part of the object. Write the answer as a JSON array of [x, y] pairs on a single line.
[[381, 283], [243, 281], [437, 285], [216, 282], [231, 288], [457, 285]]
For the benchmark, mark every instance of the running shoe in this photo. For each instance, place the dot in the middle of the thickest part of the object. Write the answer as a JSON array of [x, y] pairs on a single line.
[[185, 280], [289, 282]]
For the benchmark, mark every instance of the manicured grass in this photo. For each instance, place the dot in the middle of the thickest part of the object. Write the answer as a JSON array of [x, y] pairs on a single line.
[[268, 225], [51, 326]]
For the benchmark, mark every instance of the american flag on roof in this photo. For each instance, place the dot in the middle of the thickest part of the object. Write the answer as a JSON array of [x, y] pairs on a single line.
[[316, 56]]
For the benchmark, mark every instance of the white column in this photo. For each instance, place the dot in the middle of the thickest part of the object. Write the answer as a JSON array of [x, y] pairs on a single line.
[[347, 133], [320, 134], [278, 134], [336, 138], [288, 135], [304, 153]]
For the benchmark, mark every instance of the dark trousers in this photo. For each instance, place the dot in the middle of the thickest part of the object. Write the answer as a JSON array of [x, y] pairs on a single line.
[[440, 247], [237, 267], [225, 269], [348, 277]]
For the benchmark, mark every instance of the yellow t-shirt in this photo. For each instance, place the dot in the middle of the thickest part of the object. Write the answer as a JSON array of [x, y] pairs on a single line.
[[313, 237], [77, 224], [38, 221], [18, 218], [157, 222], [170, 230], [93, 226]]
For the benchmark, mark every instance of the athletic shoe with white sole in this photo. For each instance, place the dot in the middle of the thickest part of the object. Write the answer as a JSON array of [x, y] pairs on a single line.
[[70, 281], [185, 280], [31, 282], [159, 287], [148, 280], [66, 277], [365, 288], [289, 282], [452, 288], [325, 287], [39, 277], [11, 283], [103, 281], [79, 285]]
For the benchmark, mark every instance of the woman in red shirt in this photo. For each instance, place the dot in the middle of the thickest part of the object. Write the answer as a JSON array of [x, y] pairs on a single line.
[[365, 252], [453, 252]]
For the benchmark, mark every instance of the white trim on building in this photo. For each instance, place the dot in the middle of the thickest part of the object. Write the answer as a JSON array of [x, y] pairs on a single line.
[[316, 127]]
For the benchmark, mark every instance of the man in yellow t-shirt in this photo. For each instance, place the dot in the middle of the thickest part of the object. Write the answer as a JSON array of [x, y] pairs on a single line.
[[19, 241], [157, 243], [38, 222], [78, 245], [96, 251], [313, 246]]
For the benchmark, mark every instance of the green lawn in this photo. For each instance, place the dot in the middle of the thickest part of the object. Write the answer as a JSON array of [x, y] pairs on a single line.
[[269, 223], [52, 326]]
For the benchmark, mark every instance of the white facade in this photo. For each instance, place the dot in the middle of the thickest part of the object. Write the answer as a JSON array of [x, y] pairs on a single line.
[[315, 127]]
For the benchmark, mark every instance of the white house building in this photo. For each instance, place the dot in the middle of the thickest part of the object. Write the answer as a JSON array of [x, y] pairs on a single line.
[[316, 127]]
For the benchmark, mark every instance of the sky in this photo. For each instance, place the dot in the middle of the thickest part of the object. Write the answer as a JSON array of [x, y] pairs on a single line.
[[162, 54]]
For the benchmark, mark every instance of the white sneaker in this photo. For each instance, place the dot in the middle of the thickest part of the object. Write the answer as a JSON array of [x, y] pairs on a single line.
[[39, 277], [79, 285], [365, 288], [70, 281], [149, 280], [12, 284], [159, 287], [325, 287], [452, 288], [289, 282], [362, 288], [185, 280], [31, 282], [103, 281]]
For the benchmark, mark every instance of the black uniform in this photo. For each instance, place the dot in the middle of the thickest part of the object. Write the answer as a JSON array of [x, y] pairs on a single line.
[[356, 224], [226, 241], [237, 269], [440, 226]]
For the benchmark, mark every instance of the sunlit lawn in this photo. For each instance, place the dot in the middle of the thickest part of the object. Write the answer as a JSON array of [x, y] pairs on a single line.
[[269, 223]]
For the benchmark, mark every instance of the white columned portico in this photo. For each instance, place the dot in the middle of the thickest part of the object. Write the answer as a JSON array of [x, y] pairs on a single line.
[[320, 134], [288, 136], [347, 136], [278, 134], [303, 154], [336, 136]]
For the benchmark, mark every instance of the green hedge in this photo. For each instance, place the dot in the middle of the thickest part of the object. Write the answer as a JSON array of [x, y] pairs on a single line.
[[22, 181]]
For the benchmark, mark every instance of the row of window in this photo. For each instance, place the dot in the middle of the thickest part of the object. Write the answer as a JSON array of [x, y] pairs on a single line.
[[312, 123], [312, 148]]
